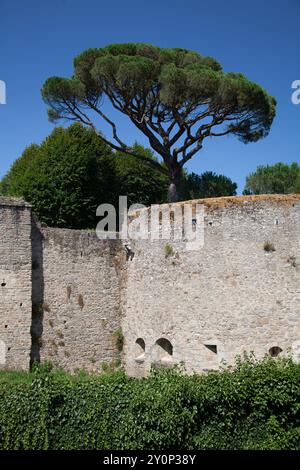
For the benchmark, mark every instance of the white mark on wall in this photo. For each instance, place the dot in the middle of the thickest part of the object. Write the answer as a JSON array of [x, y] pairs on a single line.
[[296, 351], [2, 353]]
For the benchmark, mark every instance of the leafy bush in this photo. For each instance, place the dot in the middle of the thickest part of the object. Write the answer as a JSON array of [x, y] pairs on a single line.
[[255, 406]]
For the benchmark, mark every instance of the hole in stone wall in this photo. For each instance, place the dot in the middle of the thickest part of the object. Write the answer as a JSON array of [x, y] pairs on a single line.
[[21, 304], [140, 347], [5, 326], [141, 343], [164, 348], [275, 351], [3, 284], [8, 349], [212, 347]]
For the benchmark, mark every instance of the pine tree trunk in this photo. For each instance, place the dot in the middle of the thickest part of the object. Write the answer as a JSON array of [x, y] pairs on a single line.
[[175, 186]]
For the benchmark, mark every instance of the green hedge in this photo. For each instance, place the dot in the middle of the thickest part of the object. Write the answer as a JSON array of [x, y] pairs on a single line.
[[255, 406]]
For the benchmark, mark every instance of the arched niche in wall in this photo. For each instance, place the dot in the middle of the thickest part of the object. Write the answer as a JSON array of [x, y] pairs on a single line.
[[162, 350], [274, 351], [140, 348]]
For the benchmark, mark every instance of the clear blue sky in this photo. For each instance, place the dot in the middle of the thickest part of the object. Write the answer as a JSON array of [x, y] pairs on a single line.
[[260, 38]]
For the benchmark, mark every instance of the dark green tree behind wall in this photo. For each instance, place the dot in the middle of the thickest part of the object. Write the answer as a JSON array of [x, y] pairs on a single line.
[[209, 184], [72, 172], [65, 178]]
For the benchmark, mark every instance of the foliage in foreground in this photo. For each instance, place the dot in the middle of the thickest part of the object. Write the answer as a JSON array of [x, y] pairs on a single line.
[[256, 406]]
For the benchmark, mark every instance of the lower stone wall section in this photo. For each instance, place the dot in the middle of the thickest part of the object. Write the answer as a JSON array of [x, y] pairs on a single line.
[[239, 292], [76, 299]]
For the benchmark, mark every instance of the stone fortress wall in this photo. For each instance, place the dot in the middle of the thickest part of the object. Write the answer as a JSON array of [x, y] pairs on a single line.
[[15, 283], [208, 306], [76, 298], [72, 299]]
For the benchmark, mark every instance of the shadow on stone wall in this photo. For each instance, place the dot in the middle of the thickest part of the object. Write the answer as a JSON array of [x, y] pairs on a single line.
[[38, 306]]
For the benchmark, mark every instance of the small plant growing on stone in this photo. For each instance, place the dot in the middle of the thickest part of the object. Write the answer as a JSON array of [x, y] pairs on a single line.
[[269, 247], [118, 363], [106, 368], [168, 250], [119, 339]]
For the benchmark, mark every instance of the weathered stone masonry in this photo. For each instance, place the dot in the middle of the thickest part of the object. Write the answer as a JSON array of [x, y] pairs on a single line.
[[60, 293], [231, 296], [15, 283], [65, 295], [76, 298]]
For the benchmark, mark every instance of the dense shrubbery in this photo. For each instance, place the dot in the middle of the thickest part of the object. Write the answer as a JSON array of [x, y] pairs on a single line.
[[257, 406]]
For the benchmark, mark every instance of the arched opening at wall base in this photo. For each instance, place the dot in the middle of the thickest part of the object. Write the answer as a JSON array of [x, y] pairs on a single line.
[[274, 351], [162, 354], [140, 348]]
